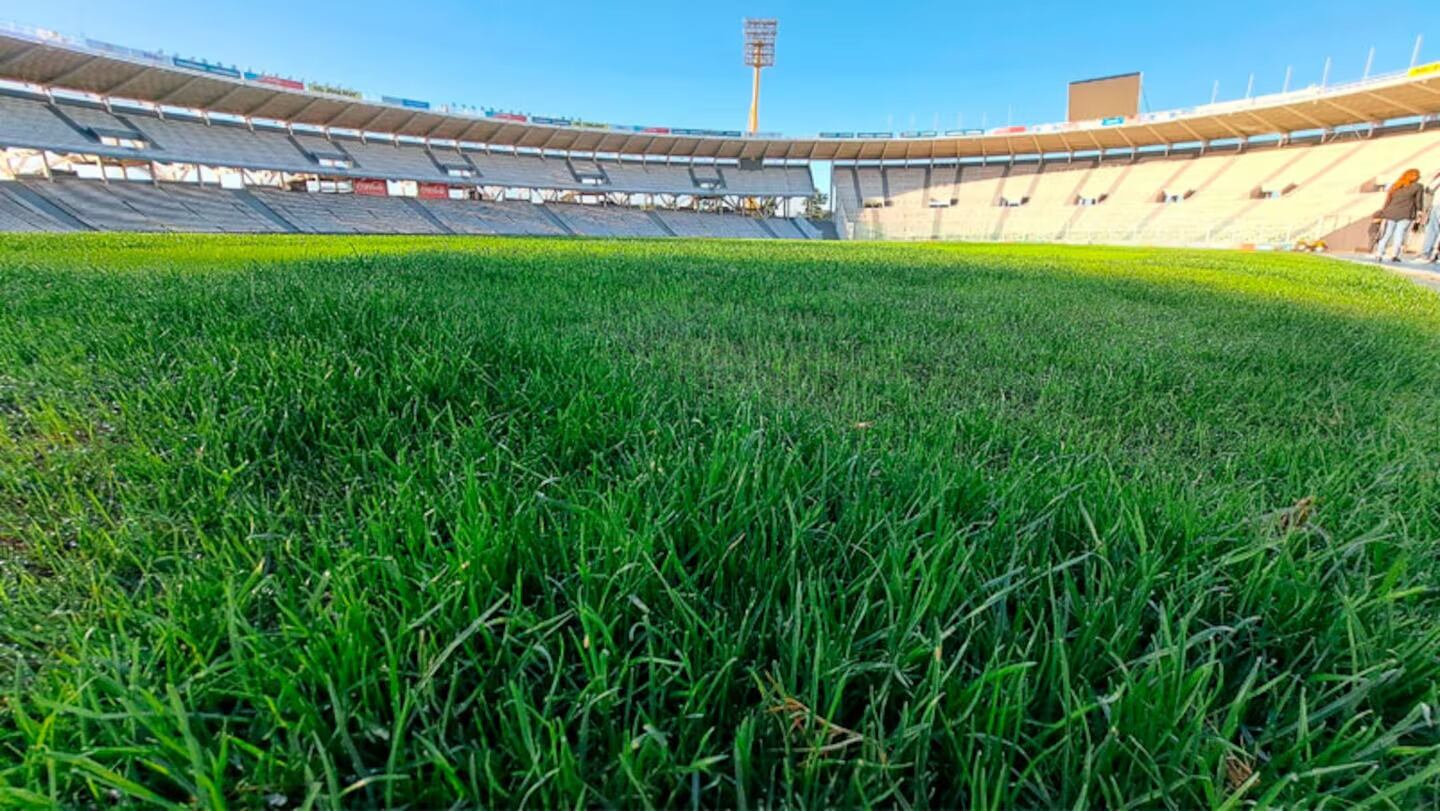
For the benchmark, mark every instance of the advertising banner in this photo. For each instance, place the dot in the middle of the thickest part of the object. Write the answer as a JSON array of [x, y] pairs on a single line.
[[554, 122], [195, 64], [333, 90], [275, 81], [400, 102], [121, 50], [505, 116], [371, 188], [707, 133], [434, 191]]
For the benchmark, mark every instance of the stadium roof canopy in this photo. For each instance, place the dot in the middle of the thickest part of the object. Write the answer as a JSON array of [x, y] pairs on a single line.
[[54, 61]]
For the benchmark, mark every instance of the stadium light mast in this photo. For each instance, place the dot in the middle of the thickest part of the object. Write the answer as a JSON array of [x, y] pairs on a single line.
[[759, 53]]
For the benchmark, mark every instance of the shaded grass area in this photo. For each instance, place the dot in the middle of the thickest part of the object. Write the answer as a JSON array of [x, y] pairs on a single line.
[[328, 522]]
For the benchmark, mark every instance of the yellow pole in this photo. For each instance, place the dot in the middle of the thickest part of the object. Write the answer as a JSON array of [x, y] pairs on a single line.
[[755, 102]]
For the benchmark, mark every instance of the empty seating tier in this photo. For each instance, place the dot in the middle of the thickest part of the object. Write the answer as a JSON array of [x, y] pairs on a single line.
[[1261, 195], [184, 208]]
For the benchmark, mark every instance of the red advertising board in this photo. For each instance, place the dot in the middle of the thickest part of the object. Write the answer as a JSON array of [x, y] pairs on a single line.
[[508, 116], [658, 130], [276, 81], [434, 191], [373, 188]]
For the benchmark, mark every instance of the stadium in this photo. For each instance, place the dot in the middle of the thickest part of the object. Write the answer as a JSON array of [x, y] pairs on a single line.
[[183, 145], [359, 450]]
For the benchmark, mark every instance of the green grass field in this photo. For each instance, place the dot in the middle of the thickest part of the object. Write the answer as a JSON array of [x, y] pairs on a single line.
[[295, 522]]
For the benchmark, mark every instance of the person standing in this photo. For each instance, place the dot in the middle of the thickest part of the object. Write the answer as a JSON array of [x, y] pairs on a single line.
[[1430, 252], [1402, 206]]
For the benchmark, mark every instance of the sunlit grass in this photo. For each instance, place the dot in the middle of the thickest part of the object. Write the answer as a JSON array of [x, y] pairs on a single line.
[[536, 523]]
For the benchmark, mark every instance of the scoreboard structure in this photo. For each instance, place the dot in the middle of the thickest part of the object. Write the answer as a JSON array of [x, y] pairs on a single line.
[[1105, 97]]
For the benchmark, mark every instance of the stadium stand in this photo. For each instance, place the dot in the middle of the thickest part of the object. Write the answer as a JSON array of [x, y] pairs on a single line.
[[399, 162], [348, 213], [33, 124], [696, 224], [17, 214], [1261, 195], [652, 178], [479, 217], [609, 221], [126, 206], [217, 144], [1265, 171]]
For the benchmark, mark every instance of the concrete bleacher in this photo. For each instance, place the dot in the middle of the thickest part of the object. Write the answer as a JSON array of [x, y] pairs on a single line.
[[608, 221], [318, 146], [698, 224], [347, 213], [32, 124], [523, 171], [400, 162], [97, 206], [136, 206], [183, 140], [1265, 194], [18, 215], [806, 228], [186, 208], [480, 217], [650, 178], [95, 119], [769, 181]]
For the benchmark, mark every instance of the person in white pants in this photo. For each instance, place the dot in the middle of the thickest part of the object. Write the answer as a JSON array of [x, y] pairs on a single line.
[[1402, 206], [1430, 252]]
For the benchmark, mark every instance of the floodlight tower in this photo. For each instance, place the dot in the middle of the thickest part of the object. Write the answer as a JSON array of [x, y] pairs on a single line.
[[759, 53]]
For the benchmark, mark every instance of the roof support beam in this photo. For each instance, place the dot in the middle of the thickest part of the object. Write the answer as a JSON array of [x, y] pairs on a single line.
[[119, 87], [224, 97], [1311, 120], [341, 113], [1225, 125], [1358, 118], [379, 115], [300, 113], [1270, 126], [1186, 126], [1375, 94], [15, 59], [71, 73], [186, 85]]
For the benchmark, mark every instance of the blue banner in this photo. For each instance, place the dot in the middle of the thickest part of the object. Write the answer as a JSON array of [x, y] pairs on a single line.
[[193, 64], [712, 133], [411, 103]]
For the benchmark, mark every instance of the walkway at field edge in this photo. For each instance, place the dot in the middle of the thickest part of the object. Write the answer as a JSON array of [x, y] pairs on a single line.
[[1425, 274]]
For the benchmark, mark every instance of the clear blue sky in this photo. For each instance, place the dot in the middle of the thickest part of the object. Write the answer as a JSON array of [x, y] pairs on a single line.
[[842, 65]]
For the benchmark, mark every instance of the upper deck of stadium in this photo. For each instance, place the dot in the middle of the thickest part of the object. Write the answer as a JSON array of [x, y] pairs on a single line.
[[50, 60]]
